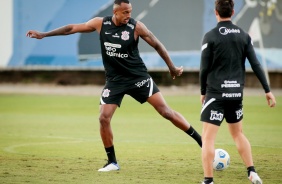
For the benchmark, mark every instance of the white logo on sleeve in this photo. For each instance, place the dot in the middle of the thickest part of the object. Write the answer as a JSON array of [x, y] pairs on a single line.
[[204, 46]]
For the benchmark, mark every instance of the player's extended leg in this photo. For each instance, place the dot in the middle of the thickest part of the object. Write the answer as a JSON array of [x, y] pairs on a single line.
[[208, 137], [106, 114], [244, 149], [158, 102]]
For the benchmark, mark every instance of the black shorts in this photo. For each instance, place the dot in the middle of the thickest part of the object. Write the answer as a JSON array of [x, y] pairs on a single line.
[[140, 90], [214, 111]]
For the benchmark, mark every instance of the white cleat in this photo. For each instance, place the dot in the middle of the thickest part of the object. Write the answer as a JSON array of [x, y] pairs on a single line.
[[254, 178], [109, 167]]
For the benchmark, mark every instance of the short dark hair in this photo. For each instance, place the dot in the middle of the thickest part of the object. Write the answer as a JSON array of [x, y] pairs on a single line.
[[224, 8], [121, 1]]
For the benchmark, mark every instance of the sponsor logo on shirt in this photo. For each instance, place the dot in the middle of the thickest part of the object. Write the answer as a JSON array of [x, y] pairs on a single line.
[[230, 84], [225, 31], [111, 50], [115, 35]]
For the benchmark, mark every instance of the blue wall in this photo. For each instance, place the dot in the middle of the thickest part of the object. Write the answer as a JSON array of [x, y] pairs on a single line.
[[181, 32], [45, 15]]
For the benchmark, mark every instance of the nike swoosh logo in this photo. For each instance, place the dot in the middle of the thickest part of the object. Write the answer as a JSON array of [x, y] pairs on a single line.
[[192, 133], [107, 33]]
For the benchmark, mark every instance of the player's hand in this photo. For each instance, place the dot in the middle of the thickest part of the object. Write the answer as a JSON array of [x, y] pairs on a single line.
[[270, 99], [177, 71], [35, 34], [202, 99]]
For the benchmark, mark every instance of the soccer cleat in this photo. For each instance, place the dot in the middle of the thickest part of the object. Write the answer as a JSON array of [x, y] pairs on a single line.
[[254, 178], [109, 167]]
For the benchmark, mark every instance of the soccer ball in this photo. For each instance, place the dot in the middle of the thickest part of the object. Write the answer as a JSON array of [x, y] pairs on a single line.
[[221, 160]]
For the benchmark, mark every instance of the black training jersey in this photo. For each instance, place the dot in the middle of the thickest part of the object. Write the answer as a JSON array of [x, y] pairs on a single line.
[[222, 71], [120, 53]]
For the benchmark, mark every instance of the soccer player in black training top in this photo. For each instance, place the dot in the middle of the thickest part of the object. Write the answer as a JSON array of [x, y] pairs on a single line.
[[125, 71], [222, 75]]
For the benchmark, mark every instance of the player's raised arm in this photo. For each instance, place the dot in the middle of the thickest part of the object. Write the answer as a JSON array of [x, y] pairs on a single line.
[[90, 26], [149, 37]]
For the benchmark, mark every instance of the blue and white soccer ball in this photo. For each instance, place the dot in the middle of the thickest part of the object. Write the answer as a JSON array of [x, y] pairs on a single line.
[[221, 160]]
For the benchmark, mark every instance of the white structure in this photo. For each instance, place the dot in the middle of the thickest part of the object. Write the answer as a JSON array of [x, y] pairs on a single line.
[[6, 36]]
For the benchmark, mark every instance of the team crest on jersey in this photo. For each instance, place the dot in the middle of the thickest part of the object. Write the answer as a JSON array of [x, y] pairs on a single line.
[[106, 93], [125, 35]]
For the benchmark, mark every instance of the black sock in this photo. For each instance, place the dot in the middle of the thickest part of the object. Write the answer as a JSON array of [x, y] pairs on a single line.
[[194, 134], [249, 169], [111, 154], [208, 180]]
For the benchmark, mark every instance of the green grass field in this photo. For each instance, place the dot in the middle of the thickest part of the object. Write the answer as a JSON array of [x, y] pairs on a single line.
[[55, 139]]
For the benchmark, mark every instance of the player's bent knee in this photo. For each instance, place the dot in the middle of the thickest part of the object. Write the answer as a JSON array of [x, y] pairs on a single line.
[[104, 121]]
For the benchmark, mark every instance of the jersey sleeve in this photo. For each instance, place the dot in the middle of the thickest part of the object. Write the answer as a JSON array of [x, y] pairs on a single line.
[[206, 57], [256, 66]]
